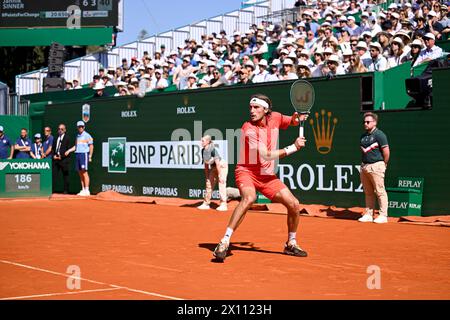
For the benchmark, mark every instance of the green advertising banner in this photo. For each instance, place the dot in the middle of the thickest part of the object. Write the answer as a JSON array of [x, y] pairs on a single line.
[[151, 146]]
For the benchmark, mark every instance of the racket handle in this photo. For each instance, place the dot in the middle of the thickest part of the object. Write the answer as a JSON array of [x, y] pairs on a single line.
[[301, 130]]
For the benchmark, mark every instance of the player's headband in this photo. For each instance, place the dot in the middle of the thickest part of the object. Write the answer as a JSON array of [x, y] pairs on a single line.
[[259, 102]]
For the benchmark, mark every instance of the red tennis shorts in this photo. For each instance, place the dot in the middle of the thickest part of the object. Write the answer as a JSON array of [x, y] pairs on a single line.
[[268, 185]]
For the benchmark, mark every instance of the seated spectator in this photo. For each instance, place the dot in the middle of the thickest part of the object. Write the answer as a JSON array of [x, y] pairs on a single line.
[[413, 54], [69, 85], [192, 82], [347, 54], [288, 70], [433, 25], [261, 75], [243, 77], [376, 62], [76, 84], [23, 145], [122, 89], [333, 66], [250, 66], [132, 89], [37, 150], [304, 56], [182, 72], [356, 66], [159, 83], [318, 64], [228, 72], [217, 80], [274, 71], [396, 54], [303, 70], [99, 90], [361, 50], [431, 51], [107, 80]]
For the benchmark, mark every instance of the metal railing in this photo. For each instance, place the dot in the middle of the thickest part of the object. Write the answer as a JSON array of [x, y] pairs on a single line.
[[16, 106]]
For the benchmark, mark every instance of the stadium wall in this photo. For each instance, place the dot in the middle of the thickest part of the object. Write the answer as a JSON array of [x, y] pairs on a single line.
[[134, 152]]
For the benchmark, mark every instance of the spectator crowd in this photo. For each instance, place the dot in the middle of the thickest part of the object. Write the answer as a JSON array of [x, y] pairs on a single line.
[[328, 38]]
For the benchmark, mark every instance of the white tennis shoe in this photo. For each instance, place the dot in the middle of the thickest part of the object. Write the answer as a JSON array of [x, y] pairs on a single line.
[[381, 219], [223, 207], [203, 206], [366, 218]]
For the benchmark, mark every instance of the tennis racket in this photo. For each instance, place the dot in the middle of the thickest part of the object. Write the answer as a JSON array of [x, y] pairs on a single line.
[[302, 99]]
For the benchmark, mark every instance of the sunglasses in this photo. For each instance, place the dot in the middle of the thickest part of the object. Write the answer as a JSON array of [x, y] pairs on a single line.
[[367, 121]]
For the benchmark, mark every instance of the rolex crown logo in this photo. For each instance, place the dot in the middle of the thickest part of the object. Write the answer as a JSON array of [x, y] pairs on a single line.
[[323, 131], [186, 100]]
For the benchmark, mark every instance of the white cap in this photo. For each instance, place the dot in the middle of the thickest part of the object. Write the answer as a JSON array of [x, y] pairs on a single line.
[[398, 40], [392, 6], [99, 86], [432, 13], [37, 136], [351, 18], [236, 33], [376, 45], [382, 15], [134, 80], [263, 62], [292, 54], [347, 52], [210, 63], [227, 63], [366, 33], [429, 35], [192, 76], [130, 72], [334, 58], [1, 129], [275, 62], [361, 44], [365, 14], [249, 64], [328, 50], [417, 42], [121, 84], [304, 52], [159, 71], [288, 62], [303, 63], [80, 124], [284, 51], [395, 15], [173, 52]]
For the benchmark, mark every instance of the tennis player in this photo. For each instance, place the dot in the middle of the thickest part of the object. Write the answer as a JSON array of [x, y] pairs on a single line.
[[255, 170]]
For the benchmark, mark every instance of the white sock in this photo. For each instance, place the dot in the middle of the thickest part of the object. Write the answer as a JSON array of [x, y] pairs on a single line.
[[86, 189], [228, 234], [292, 236]]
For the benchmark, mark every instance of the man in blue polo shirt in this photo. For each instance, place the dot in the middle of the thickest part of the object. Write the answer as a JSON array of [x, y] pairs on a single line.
[[375, 157], [5, 143], [23, 145], [48, 143], [84, 148]]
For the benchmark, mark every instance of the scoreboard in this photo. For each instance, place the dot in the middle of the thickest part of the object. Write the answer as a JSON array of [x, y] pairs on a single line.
[[57, 13], [25, 178]]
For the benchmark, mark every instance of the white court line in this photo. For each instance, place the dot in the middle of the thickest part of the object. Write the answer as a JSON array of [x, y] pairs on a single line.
[[58, 294], [92, 281]]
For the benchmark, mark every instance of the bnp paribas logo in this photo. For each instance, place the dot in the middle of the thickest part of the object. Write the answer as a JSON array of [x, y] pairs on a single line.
[[323, 127], [117, 147]]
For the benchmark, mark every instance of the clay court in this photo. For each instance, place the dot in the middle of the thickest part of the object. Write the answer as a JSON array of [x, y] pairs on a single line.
[[155, 251]]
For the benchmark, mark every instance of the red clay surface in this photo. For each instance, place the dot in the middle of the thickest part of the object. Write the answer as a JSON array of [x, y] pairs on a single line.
[[146, 251]]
